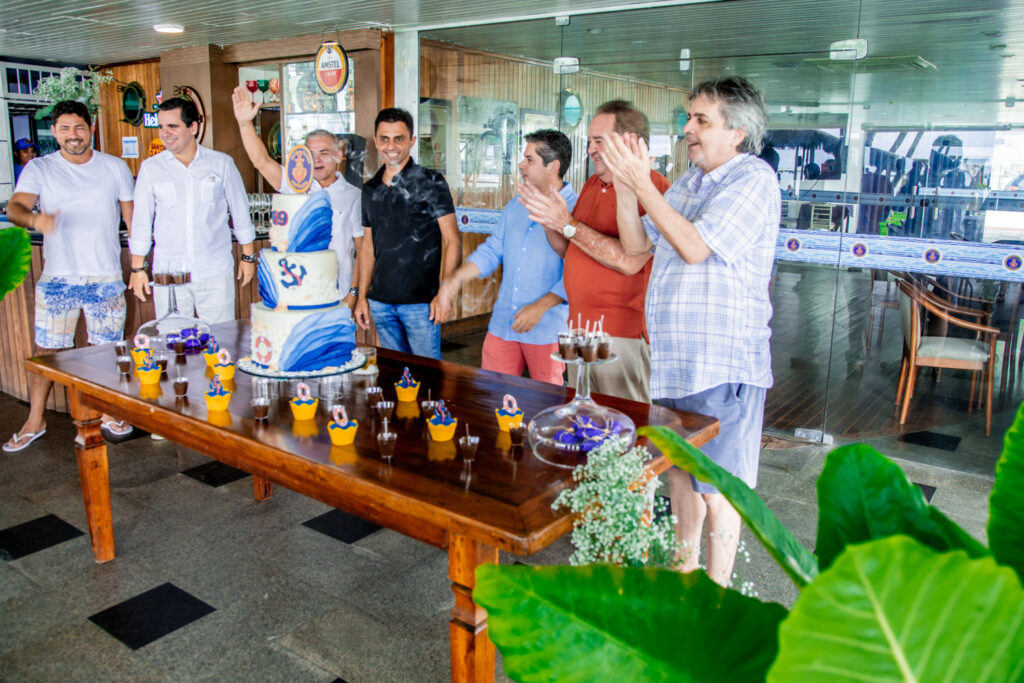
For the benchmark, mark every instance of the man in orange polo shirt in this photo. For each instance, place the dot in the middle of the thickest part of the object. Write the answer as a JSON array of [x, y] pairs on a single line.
[[601, 280]]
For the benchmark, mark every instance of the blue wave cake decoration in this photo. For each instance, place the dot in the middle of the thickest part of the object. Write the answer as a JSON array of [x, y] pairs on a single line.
[[321, 340], [310, 227], [265, 277]]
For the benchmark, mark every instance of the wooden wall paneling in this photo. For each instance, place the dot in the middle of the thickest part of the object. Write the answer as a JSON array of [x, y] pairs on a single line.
[[112, 128]]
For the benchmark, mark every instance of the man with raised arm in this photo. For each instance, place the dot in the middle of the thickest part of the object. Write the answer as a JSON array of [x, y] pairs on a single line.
[[411, 239], [713, 238], [347, 225], [183, 197], [602, 281], [531, 309], [82, 195]]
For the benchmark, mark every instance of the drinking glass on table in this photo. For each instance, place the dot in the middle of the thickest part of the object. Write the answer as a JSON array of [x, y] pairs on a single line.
[[260, 397]]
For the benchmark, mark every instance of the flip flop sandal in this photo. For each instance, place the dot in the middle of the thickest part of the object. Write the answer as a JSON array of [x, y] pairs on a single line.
[[116, 428], [31, 436]]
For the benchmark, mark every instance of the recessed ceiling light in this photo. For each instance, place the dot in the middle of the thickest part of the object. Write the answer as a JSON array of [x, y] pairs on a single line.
[[168, 28]]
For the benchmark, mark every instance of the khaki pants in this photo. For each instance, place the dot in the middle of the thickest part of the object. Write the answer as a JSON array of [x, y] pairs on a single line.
[[628, 377]]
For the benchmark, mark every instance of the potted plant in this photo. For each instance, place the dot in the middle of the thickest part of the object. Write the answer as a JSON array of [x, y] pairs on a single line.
[[896, 591]]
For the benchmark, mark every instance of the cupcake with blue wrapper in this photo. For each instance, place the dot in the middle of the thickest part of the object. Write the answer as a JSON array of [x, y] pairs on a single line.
[[303, 405], [217, 397], [224, 368], [509, 413], [342, 430], [407, 388], [441, 424]]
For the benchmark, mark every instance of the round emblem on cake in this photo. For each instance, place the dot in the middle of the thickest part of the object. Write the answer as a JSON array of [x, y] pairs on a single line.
[[932, 256], [299, 169], [464, 218], [793, 244], [262, 350], [1012, 262], [859, 249]]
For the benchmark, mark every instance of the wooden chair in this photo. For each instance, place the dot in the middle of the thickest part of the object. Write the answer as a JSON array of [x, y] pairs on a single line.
[[919, 350]]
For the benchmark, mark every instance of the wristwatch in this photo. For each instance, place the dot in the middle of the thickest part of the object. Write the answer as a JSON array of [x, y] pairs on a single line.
[[141, 269], [354, 291], [250, 258], [569, 229]]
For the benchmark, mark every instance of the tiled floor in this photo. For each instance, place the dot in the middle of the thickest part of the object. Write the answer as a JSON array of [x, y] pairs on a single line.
[[210, 584]]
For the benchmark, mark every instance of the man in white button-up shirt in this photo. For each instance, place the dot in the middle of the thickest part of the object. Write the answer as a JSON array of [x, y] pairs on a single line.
[[183, 197]]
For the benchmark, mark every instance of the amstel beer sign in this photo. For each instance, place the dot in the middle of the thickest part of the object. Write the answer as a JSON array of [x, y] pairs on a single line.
[[331, 67]]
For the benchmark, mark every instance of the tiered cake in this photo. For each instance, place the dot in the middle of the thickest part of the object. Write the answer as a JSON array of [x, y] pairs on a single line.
[[301, 325]]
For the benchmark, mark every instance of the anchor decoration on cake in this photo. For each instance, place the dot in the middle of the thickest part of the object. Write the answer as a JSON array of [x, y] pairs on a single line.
[[291, 273]]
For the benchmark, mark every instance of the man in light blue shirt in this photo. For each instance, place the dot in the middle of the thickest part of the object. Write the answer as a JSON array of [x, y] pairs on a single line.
[[531, 308]]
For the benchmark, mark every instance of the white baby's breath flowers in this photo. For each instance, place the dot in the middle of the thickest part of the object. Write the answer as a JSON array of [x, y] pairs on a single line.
[[619, 518]]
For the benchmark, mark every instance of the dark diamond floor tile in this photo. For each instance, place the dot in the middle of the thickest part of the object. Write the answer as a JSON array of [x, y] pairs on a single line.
[[932, 440], [31, 537], [139, 621], [927, 490], [215, 473], [339, 680], [341, 526]]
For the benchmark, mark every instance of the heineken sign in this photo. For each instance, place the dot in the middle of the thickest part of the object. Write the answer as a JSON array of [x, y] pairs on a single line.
[[331, 67]]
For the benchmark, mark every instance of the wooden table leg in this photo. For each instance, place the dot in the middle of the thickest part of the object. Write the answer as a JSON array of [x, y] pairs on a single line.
[[91, 451], [471, 650], [261, 488]]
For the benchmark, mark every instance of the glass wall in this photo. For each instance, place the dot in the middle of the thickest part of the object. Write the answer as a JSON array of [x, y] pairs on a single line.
[[903, 166]]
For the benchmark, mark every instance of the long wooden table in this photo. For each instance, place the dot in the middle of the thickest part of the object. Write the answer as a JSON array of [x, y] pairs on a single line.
[[504, 503]]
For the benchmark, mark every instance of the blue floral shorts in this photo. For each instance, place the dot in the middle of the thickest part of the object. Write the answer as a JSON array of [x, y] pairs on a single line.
[[59, 300]]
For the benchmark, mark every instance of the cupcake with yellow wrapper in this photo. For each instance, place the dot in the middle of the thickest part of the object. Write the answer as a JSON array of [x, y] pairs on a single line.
[[224, 368], [218, 397], [219, 418], [140, 349], [211, 351], [149, 370], [441, 424], [342, 430], [407, 388], [509, 413], [303, 405]]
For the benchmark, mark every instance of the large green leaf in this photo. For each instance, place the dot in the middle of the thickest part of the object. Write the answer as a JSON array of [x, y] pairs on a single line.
[[895, 610], [862, 495], [1006, 505], [779, 541], [602, 622], [15, 257]]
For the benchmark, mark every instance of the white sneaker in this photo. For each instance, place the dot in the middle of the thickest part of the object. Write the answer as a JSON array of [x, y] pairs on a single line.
[[156, 437]]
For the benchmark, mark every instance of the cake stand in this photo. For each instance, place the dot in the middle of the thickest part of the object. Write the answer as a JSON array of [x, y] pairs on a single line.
[[563, 435], [173, 325]]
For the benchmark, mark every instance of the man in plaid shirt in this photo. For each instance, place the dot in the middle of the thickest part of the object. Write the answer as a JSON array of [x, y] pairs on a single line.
[[713, 238]]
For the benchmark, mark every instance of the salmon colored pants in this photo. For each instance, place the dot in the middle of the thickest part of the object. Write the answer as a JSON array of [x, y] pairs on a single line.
[[511, 358]]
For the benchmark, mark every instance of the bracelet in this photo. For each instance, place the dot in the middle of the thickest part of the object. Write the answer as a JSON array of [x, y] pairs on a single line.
[[250, 258], [354, 291]]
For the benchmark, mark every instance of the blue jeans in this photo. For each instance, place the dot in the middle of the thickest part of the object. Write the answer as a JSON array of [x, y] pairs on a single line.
[[406, 327]]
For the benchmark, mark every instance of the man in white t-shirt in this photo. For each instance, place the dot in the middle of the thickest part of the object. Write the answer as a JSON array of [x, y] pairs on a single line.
[[183, 197], [82, 195], [346, 200]]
